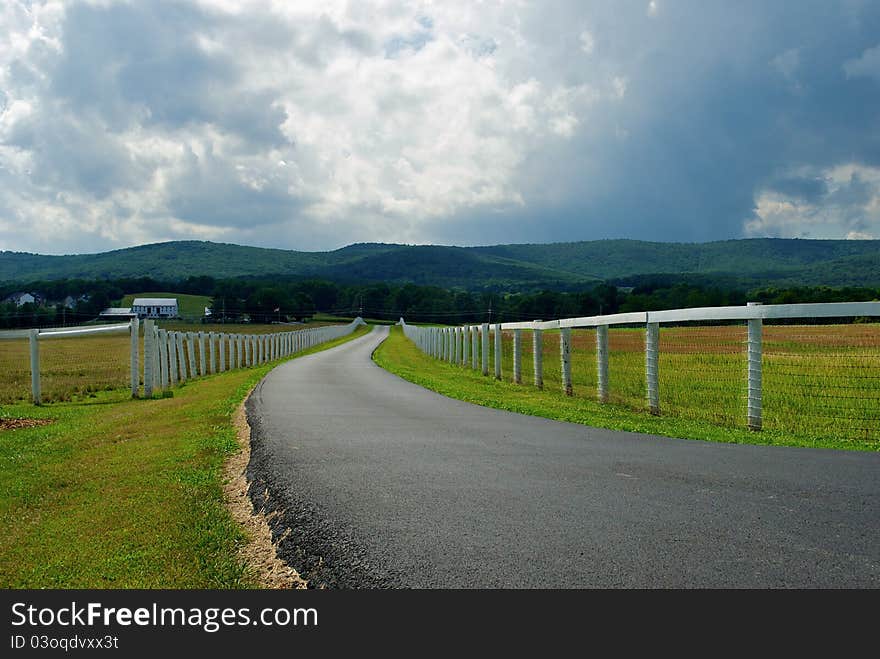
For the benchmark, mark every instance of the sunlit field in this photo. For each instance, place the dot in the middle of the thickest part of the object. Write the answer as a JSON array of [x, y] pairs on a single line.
[[817, 379], [77, 367]]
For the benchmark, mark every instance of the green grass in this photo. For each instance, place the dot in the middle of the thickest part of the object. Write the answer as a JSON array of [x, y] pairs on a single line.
[[189, 306], [122, 493], [402, 357]]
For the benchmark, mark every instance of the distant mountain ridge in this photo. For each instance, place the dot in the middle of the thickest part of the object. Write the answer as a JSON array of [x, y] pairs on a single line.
[[752, 262]]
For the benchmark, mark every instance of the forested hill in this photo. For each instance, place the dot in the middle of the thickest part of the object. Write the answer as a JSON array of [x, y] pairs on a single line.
[[752, 262]]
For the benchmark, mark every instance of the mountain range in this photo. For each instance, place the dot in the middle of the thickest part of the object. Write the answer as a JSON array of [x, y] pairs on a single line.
[[746, 262]]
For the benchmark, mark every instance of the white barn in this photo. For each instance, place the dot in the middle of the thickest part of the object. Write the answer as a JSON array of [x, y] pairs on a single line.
[[155, 307]]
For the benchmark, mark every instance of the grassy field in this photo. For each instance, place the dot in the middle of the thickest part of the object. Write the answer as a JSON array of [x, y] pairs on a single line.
[[77, 368], [821, 383], [122, 493], [70, 369]]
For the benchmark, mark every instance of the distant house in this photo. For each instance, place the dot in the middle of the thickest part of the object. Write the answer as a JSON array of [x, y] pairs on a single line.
[[117, 313], [21, 298], [155, 307]]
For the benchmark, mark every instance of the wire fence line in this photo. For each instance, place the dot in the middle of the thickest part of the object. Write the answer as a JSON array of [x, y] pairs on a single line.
[[43, 365], [811, 369]]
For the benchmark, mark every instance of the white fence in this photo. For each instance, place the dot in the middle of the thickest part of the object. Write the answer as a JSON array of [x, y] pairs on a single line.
[[473, 345], [172, 357]]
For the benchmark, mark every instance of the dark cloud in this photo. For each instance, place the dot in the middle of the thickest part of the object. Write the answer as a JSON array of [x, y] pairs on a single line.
[[810, 189], [676, 124], [142, 63], [209, 191], [710, 121]]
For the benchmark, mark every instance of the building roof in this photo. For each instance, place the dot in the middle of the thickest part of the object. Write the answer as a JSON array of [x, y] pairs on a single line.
[[117, 311], [154, 302]]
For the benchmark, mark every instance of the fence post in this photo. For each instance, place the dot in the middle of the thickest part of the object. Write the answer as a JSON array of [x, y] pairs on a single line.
[[149, 362], [475, 349], [135, 371], [222, 351], [755, 356], [498, 353], [462, 346], [191, 353], [465, 346], [538, 356], [602, 362], [203, 361], [517, 356], [171, 347], [156, 362], [652, 370], [212, 338], [163, 359], [34, 338], [565, 359], [485, 348], [181, 358]]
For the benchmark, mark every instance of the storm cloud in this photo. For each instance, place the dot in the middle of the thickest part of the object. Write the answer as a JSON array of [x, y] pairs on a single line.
[[314, 125]]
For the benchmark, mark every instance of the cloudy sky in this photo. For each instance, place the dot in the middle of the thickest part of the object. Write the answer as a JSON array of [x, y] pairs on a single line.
[[311, 125]]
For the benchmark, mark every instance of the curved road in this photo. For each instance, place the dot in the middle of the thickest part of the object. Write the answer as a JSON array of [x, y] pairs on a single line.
[[379, 482]]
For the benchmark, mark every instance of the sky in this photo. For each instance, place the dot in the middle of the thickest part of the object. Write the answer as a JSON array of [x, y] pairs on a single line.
[[313, 125]]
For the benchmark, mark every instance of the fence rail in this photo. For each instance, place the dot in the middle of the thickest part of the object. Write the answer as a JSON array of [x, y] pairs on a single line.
[[728, 368], [157, 358]]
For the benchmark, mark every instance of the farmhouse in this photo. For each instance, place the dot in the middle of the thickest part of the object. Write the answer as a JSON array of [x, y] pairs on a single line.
[[155, 307], [21, 298]]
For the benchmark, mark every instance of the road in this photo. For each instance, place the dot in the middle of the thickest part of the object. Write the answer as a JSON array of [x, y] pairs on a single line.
[[376, 482]]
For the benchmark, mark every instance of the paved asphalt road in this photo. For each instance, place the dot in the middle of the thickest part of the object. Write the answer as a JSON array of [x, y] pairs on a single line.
[[378, 482]]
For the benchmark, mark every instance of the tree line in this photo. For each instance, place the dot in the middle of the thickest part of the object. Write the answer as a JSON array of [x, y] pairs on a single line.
[[262, 301]]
